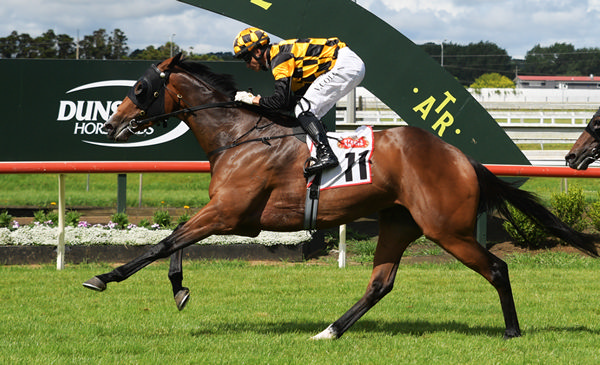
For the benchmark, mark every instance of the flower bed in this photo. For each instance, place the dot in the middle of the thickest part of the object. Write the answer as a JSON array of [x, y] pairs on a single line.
[[84, 234]]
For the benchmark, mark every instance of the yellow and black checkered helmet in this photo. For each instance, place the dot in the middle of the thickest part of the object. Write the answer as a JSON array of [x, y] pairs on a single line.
[[247, 40]]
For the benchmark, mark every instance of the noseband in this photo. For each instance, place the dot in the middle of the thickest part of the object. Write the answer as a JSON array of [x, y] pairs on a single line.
[[594, 133], [590, 129]]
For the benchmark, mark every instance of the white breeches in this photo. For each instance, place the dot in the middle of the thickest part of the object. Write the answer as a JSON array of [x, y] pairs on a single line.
[[327, 89]]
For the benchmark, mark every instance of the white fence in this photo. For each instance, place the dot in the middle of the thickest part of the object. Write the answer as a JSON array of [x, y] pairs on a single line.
[[522, 126]]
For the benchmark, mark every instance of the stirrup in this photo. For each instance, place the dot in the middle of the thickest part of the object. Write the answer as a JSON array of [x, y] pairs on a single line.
[[307, 165]]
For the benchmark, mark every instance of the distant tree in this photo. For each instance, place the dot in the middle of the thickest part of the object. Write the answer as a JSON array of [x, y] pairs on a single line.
[[26, 47], [161, 53], [467, 62], [9, 46], [557, 59], [46, 45], [66, 46], [95, 46], [492, 80], [118, 44]]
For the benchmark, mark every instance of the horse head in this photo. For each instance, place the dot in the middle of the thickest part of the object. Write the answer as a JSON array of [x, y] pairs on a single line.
[[172, 88], [585, 150]]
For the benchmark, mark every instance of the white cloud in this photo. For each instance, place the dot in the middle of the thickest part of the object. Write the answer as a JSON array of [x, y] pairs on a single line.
[[515, 25]]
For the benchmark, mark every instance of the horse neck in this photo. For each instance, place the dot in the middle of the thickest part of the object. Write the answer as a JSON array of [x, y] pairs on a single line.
[[218, 127]]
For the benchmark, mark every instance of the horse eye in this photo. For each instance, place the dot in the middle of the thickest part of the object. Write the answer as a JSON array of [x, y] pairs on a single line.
[[140, 88]]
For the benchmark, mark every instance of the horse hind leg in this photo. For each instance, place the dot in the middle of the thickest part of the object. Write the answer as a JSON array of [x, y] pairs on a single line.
[[493, 269], [397, 230]]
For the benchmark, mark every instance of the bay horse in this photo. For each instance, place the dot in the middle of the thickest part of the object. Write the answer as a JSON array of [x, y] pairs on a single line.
[[421, 185], [586, 149]]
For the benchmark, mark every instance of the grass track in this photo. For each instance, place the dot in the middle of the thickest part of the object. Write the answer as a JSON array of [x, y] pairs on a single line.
[[241, 313]]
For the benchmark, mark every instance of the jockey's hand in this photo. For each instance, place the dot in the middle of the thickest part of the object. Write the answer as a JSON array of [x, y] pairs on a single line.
[[244, 97]]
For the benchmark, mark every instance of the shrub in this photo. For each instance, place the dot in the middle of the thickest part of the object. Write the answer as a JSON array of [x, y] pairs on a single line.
[[5, 219], [569, 207], [50, 218], [39, 216], [72, 218], [183, 218], [594, 213], [162, 218], [534, 236], [144, 223], [120, 219]]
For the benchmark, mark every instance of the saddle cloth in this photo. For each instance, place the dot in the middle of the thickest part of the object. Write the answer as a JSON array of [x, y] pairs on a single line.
[[354, 151]]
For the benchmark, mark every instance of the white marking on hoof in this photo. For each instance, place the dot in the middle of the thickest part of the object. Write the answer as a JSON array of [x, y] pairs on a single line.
[[327, 334]]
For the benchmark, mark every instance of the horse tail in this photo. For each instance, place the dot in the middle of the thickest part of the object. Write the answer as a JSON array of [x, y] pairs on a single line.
[[496, 193]]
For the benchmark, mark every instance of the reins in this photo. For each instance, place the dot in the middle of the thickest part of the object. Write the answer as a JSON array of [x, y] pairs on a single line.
[[264, 140]]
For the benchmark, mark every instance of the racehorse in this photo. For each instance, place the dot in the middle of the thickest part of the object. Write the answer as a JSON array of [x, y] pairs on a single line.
[[420, 186], [585, 150]]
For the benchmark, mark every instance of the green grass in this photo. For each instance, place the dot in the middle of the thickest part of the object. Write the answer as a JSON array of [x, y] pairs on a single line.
[[239, 313], [173, 190], [544, 187]]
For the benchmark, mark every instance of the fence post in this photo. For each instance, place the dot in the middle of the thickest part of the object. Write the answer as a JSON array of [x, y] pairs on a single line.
[[121, 193], [60, 248]]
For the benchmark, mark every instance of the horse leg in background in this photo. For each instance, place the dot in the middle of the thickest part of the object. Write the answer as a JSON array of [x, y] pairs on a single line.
[[468, 251], [180, 293], [397, 230]]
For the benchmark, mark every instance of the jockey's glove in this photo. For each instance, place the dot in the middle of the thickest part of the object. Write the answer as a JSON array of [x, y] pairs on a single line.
[[244, 97]]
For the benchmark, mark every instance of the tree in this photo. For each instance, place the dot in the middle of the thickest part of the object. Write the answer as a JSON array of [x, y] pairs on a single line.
[[95, 46], [553, 60], [492, 80], [118, 44], [66, 46], [25, 48], [466, 63], [9, 46], [46, 45], [162, 52]]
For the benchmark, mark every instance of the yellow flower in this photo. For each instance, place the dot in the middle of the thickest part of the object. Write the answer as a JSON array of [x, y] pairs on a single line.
[[53, 203], [186, 207]]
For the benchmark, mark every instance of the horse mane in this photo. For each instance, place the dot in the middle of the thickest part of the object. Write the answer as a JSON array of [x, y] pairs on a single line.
[[225, 84], [222, 82]]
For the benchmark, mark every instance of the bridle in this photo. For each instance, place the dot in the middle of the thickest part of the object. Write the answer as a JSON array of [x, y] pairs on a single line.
[[594, 133], [148, 94]]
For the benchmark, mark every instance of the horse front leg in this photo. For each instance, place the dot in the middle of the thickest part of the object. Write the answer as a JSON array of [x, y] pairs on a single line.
[[202, 225], [180, 293]]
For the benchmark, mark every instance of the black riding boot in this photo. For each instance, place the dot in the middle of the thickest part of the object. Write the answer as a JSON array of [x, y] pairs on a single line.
[[325, 156]]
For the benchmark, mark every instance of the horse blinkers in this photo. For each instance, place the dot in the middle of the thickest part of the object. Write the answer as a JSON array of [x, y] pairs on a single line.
[[148, 93]]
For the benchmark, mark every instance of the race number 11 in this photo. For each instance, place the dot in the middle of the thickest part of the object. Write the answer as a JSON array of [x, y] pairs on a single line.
[[362, 166]]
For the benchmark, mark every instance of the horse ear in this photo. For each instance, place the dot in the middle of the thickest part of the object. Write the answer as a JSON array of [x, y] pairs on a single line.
[[176, 60]]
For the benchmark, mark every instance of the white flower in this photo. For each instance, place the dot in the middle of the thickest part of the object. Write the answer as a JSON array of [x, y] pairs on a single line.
[[99, 235]]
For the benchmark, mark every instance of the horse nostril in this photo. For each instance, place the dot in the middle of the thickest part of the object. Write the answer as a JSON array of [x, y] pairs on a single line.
[[570, 157], [107, 127]]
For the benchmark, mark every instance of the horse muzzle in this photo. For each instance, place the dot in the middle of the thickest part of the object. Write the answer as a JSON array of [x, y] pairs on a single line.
[[118, 130], [581, 161]]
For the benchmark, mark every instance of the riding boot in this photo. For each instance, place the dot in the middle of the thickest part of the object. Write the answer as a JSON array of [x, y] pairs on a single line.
[[325, 156]]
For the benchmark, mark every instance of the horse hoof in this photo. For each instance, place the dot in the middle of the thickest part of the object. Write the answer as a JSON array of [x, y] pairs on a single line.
[[181, 298], [95, 284], [512, 334], [327, 334]]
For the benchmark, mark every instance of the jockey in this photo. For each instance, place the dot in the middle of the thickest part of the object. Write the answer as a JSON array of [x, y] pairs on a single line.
[[311, 75]]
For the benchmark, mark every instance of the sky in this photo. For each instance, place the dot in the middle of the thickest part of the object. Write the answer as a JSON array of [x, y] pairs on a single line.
[[514, 25]]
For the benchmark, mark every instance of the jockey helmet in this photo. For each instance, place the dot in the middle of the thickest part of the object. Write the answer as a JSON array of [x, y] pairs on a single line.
[[247, 40]]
